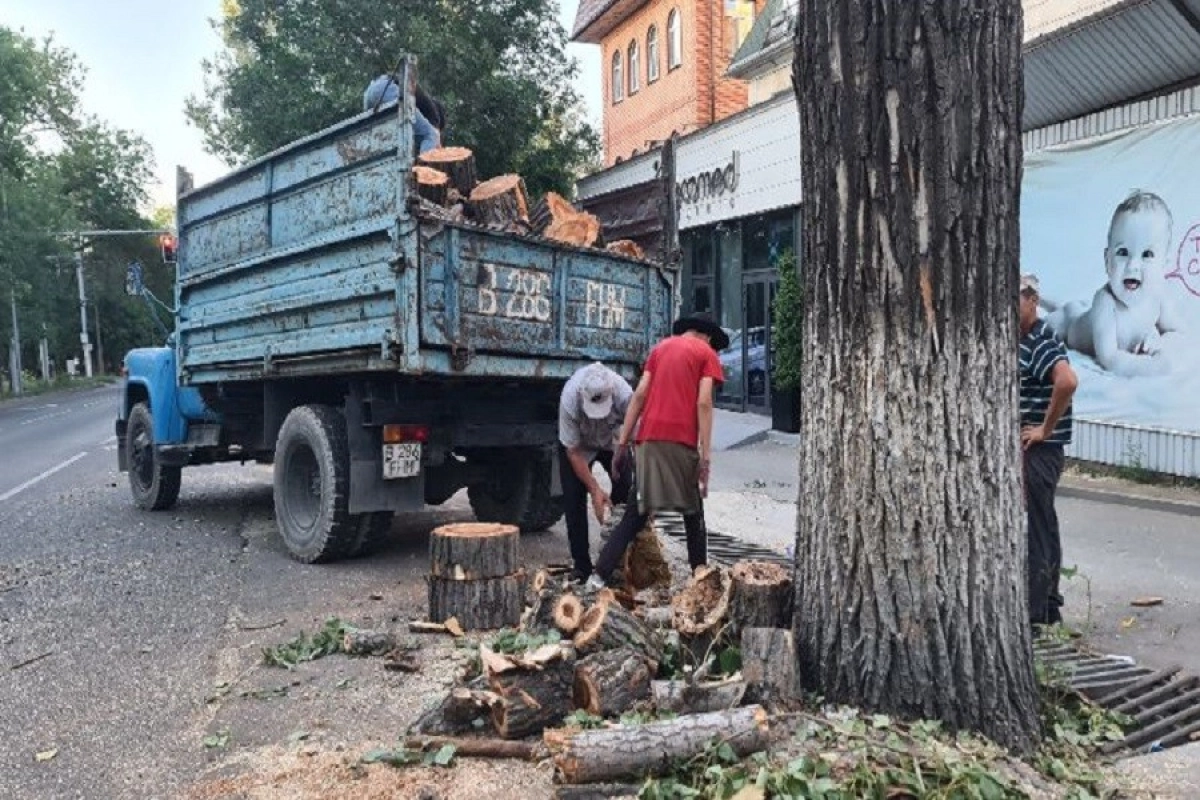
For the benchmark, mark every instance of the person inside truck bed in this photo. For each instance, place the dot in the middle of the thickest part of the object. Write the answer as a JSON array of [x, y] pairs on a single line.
[[430, 121]]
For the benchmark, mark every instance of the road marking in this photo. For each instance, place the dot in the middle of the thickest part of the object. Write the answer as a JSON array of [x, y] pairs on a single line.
[[109, 440], [39, 478]]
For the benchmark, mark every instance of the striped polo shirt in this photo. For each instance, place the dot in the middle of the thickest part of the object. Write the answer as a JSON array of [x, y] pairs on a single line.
[[1040, 351]]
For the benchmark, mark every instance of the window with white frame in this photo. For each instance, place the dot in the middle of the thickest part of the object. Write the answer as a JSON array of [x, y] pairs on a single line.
[[652, 54], [634, 65], [618, 79], [674, 40]]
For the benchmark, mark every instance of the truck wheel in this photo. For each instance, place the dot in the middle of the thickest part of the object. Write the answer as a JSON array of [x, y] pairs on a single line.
[[312, 485], [517, 494], [155, 487], [371, 532]]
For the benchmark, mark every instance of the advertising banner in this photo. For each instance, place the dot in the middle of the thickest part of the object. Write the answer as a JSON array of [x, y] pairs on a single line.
[[1111, 227]]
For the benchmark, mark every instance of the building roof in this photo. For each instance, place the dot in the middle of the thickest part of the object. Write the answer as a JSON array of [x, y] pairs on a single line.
[[595, 19], [1080, 55]]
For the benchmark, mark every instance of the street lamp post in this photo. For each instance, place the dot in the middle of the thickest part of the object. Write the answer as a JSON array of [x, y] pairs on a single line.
[[83, 326]]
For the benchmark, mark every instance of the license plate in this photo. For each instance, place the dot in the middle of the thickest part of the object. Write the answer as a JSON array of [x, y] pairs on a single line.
[[402, 460]]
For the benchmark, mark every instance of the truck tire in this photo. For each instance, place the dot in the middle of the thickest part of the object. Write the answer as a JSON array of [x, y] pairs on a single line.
[[312, 485], [155, 487], [371, 533], [517, 494]]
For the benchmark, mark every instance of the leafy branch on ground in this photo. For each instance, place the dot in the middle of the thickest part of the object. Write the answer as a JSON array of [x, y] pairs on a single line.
[[512, 642], [325, 642], [407, 757]]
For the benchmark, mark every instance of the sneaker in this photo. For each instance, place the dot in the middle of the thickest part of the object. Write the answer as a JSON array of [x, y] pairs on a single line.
[[595, 583]]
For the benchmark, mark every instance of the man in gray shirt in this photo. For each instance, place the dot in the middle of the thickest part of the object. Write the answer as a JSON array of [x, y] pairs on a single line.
[[590, 413]]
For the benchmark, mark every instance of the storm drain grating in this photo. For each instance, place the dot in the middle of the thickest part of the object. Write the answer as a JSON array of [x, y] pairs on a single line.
[[722, 548]]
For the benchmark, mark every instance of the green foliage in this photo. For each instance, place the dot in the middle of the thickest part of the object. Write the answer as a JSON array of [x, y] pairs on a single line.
[[788, 329], [291, 67], [404, 757], [583, 720], [512, 641], [647, 716], [302, 648]]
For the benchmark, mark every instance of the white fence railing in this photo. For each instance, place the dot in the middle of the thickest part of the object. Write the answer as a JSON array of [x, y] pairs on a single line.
[[1120, 444]]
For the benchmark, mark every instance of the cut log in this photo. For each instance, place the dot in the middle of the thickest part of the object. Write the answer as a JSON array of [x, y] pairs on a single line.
[[769, 666], [531, 698], [474, 550], [581, 230], [462, 710], [701, 607], [553, 207], [599, 791], [608, 625], [610, 682], [568, 613], [479, 748], [627, 248], [458, 163], [761, 595], [686, 697], [484, 604], [421, 626], [656, 617], [637, 751], [432, 184], [645, 566], [500, 201], [367, 643]]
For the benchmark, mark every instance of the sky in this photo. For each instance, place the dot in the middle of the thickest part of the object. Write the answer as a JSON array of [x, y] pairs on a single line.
[[143, 59]]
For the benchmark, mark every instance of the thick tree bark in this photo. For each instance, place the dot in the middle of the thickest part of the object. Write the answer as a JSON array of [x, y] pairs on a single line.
[[532, 699], [500, 201], [459, 165], [769, 666], [484, 604], [473, 550], [910, 595], [608, 625], [762, 595], [608, 683]]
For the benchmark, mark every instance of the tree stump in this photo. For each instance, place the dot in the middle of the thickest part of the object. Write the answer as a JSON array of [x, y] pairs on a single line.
[[532, 696], [568, 613], [644, 564], [484, 604], [701, 607], [500, 201], [458, 163], [469, 551], [608, 625], [432, 184], [769, 666], [610, 682], [635, 752], [627, 248], [761, 596]]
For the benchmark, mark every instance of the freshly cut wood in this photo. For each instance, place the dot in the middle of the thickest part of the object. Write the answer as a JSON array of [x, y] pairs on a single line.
[[484, 604], [470, 747], [688, 697], [367, 643], [645, 565], [553, 207], [473, 550], [500, 201], [701, 606], [638, 751], [761, 596], [568, 613], [612, 681], [626, 247], [599, 791], [581, 230], [458, 163], [608, 625], [463, 709], [421, 626], [769, 666], [432, 184], [534, 692]]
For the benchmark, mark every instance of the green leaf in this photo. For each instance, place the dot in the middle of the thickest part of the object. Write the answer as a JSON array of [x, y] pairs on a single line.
[[444, 755]]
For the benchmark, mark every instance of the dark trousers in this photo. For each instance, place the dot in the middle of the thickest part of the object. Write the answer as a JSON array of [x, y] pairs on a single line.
[[1043, 465], [576, 500], [632, 524]]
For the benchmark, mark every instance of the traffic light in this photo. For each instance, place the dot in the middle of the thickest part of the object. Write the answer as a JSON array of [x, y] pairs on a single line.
[[168, 243]]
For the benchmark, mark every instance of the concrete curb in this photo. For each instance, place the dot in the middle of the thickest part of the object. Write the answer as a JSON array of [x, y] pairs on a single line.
[[1127, 496]]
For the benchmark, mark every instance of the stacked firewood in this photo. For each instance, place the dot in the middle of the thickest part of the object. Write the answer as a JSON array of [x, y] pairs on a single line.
[[447, 187], [616, 661]]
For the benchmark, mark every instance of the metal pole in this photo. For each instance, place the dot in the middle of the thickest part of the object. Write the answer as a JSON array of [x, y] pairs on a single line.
[[15, 358], [83, 324], [99, 341]]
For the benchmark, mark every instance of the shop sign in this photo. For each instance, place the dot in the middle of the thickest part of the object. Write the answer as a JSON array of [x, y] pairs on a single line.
[[708, 186]]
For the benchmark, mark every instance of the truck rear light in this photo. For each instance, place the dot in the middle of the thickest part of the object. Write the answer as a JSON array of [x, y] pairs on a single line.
[[398, 434]]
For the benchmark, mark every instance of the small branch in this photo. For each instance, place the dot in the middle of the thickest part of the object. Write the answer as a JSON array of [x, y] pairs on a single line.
[[263, 627], [29, 661]]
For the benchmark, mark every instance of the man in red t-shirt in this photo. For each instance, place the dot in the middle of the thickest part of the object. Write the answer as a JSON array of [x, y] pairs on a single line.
[[673, 403]]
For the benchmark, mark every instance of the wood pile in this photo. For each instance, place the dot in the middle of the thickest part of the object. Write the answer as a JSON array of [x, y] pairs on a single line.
[[475, 575], [447, 187], [618, 689]]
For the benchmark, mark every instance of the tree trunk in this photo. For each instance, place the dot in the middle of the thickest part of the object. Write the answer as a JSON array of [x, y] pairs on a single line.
[[761, 596], [500, 201], [910, 536], [608, 625], [468, 551], [610, 682], [484, 604], [432, 184], [459, 165], [685, 697], [532, 699], [769, 666], [638, 751]]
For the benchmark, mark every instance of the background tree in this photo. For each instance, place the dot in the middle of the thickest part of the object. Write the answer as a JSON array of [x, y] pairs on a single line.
[[292, 67], [910, 546]]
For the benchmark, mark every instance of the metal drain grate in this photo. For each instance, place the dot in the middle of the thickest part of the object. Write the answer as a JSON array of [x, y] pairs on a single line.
[[722, 548], [1164, 704]]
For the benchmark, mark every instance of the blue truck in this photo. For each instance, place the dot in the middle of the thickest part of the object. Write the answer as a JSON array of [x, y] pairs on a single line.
[[381, 357]]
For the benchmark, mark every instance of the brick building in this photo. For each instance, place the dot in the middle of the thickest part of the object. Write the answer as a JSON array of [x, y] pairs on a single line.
[[665, 65]]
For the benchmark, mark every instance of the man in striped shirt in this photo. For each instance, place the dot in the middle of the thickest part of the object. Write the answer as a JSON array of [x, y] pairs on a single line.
[[1047, 385]]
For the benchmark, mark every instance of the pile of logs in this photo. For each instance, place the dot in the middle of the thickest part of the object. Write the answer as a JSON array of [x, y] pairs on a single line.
[[608, 654], [475, 575], [447, 185]]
